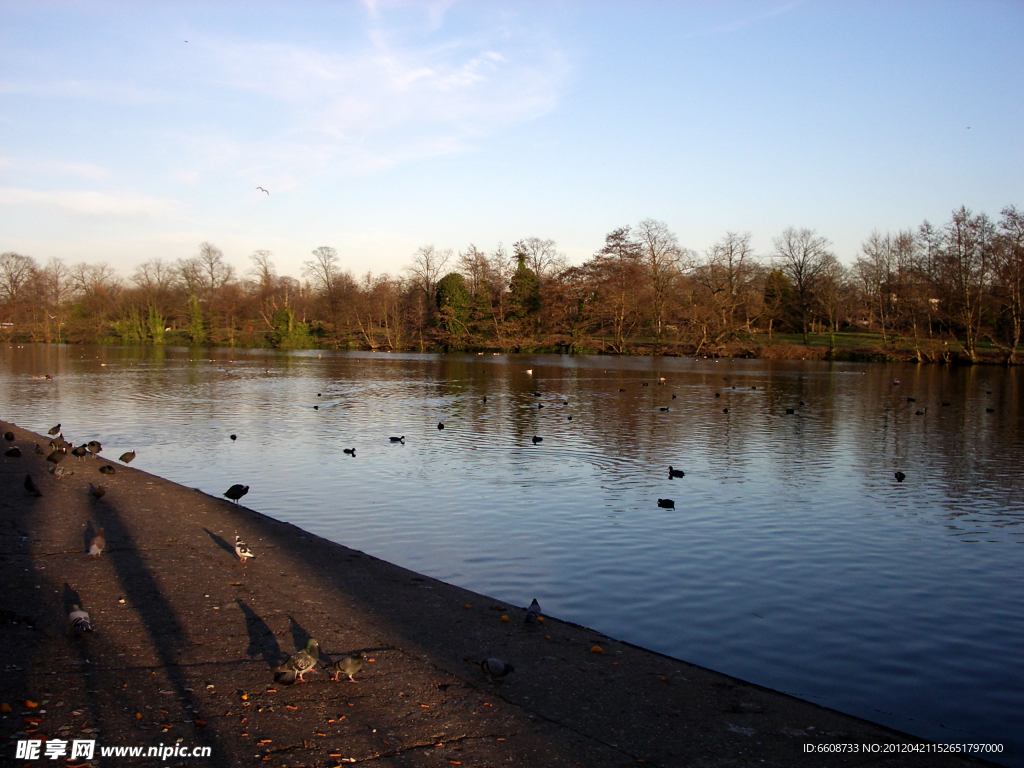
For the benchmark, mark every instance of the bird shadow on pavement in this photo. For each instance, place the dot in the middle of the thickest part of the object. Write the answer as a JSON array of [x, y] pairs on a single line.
[[261, 638], [220, 542], [71, 598], [299, 635]]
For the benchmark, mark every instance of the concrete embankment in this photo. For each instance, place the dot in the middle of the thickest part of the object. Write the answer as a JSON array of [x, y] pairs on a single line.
[[185, 639]]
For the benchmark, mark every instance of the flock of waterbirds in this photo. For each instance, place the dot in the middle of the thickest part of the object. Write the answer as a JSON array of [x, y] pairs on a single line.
[[305, 661]]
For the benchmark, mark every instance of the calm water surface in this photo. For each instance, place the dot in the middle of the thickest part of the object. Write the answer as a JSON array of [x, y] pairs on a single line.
[[792, 559]]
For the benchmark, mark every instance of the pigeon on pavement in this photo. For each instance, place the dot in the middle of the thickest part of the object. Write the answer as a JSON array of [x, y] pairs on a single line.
[[532, 613], [97, 544], [242, 549], [495, 669], [79, 619], [302, 662], [347, 665]]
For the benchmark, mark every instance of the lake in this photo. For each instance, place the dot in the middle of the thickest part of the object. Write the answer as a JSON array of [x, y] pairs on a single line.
[[793, 557]]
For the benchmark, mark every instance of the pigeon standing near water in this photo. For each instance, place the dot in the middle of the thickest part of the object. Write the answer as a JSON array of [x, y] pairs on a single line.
[[242, 549], [79, 619], [236, 491], [532, 613], [97, 544], [347, 665], [302, 662], [128, 456], [60, 472], [31, 487]]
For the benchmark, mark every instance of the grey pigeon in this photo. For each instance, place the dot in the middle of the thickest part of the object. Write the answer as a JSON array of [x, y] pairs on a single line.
[[94, 446], [79, 619], [495, 669], [242, 549], [675, 472], [107, 469], [127, 456], [666, 504], [236, 491], [54, 430], [60, 472], [97, 544], [532, 613], [31, 487], [302, 662], [347, 665], [13, 453]]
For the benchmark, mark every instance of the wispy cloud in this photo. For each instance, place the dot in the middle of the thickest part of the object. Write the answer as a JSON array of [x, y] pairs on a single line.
[[748, 20], [87, 203], [392, 100]]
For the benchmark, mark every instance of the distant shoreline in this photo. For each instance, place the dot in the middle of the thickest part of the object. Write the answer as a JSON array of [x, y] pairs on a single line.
[[751, 349]]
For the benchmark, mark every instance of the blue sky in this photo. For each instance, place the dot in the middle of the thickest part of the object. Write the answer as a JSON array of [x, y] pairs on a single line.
[[381, 126]]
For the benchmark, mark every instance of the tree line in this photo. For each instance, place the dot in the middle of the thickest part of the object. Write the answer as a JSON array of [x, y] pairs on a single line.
[[938, 291]]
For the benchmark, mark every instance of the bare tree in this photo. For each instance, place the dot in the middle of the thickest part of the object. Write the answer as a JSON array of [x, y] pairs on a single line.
[[966, 262], [16, 273], [875, 270], [829, 292], [1009, 268], [263, 271], [427, 268], [617, 270], [661, 255], [727, 274], [541, 256], [190, 277], [802, 257], [216, 272]]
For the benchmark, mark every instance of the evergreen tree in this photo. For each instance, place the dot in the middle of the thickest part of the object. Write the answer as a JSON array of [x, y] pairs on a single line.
[[196, 326]]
